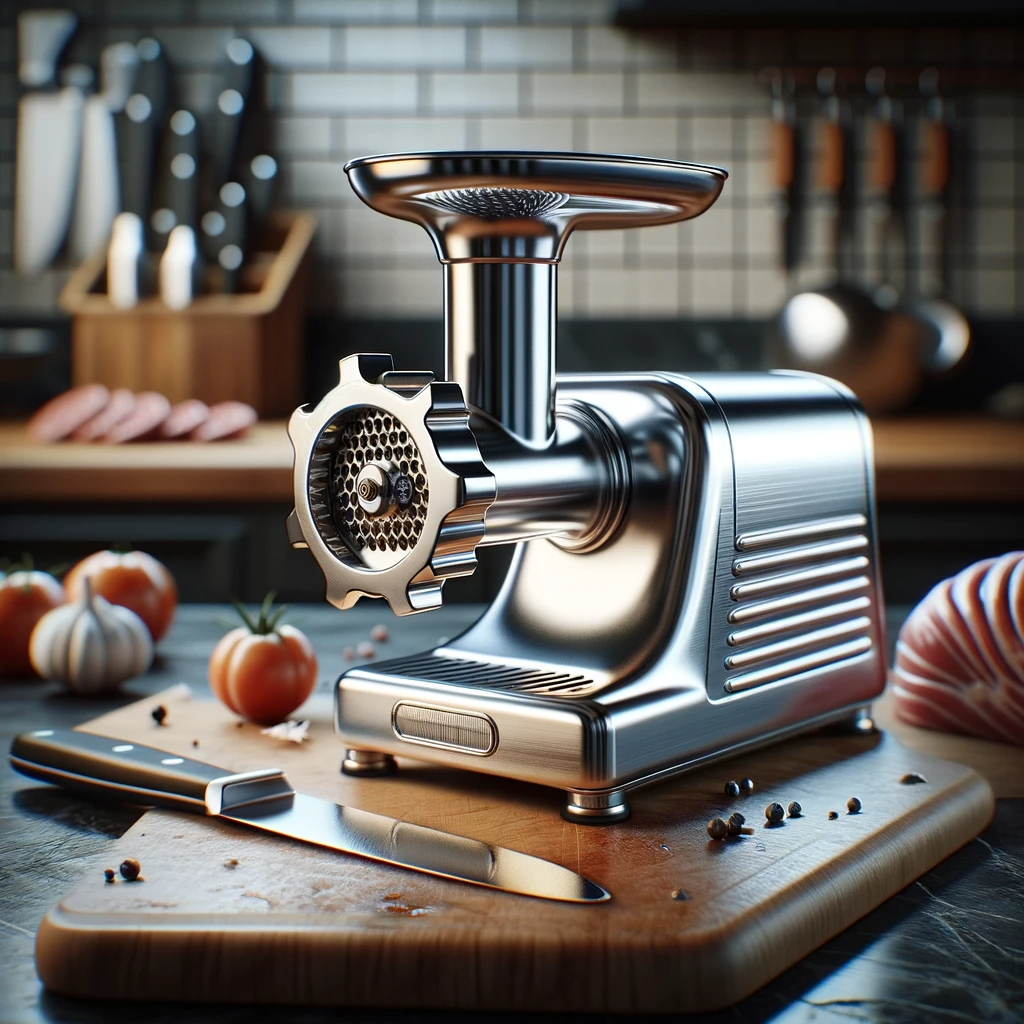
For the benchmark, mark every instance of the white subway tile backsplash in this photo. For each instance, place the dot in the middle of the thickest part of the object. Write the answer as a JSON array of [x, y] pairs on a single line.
[[244, 11], [543, 133], [640, 136], [713, 232], [577, 12], [350, 92], [526, 46], [320, 181], [994, 290], [290, 46], [712, 137], [404, 46], [343, 11], [362, 233], [763, 231], [390, 294], [698, 90], [766, 290], [470, 10], [993, 231], [475, 92], [711, 292], [605, 47], [366, 136], [599, 248], [659, 246], [587, 91], [302, 136]]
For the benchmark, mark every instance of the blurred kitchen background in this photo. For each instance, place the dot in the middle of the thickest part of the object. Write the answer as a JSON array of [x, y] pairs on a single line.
[[918, 208]]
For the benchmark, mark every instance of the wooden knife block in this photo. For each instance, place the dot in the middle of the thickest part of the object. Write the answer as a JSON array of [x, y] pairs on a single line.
[[247, 346]]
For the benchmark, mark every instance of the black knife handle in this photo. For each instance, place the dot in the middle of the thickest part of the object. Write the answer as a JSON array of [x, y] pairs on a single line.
[[112, 769]]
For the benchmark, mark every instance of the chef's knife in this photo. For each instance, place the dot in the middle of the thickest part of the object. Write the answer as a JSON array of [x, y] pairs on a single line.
[[230, 108], [49, 136], [133, 773]]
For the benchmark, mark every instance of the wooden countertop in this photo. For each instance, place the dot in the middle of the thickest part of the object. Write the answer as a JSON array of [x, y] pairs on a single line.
[[917, 459]]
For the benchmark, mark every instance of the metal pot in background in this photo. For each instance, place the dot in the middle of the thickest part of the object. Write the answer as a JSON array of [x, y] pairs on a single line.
[[842, 330]]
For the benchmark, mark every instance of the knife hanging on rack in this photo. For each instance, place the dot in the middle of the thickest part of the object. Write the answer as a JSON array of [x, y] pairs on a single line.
[[231, 109]]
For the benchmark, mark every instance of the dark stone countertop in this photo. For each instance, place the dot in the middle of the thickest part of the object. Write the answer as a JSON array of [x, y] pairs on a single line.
[[948, 948]]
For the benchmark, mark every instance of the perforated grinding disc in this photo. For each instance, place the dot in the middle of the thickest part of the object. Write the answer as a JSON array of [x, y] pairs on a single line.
[[363, 436]]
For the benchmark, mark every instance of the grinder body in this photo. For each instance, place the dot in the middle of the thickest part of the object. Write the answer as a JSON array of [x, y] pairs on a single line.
[[738, 602], [696, 567]]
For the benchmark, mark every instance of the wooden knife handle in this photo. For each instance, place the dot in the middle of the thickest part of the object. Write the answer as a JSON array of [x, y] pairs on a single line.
[[831, 157], [934, 158], [882, 170], [112, 769], [783, 155]]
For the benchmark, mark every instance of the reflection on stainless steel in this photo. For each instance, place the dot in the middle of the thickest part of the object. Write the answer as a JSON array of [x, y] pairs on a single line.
[[379, 837], [653, 513]]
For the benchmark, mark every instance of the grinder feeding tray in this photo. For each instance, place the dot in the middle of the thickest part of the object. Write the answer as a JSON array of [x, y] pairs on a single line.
[[695, 570]]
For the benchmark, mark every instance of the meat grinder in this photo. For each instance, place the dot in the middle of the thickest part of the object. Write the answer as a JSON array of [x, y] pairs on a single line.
[[695, 570]]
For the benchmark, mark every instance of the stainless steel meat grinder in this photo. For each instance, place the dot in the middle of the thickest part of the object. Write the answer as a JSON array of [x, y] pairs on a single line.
[[695, 570]]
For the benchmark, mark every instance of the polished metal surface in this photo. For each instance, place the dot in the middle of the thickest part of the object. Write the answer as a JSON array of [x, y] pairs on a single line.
[[416, 847], [696, 570], [263, 799], [499, 222]]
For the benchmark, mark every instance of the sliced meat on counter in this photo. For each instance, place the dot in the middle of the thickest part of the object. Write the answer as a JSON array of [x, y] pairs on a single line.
[[151, 409], [960, 655], [227, 420], [183, 419], [119, 408], [63, 415]]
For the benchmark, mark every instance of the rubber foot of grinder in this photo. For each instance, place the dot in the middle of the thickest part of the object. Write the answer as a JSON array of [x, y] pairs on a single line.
[[368, 764], [595, 808]]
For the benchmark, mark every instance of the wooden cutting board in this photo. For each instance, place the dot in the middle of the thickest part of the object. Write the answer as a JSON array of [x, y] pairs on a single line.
[[226, 914]]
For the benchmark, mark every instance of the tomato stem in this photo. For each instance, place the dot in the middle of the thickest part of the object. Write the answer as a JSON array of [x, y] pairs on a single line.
[[267, 621]]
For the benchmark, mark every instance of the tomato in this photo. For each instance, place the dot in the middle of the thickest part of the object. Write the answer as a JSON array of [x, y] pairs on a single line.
[[263, 676], [25, 597], [132, 579]]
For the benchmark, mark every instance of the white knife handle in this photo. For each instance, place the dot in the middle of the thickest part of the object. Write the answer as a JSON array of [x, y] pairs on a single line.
[[112, 769]]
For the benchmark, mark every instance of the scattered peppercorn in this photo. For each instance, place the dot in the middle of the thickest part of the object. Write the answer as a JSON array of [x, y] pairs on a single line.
[[747, 785], [853, 805], [747, 831], [680, 895], [795, 810], [195, 743], [735, 823], [239, 724], [732, 788], [774, 813], [717, 828], [348, 653], [108, 874], [366, 650], [913, 779], [232, 863], [159, 713], [832, 815], [130, 869], [379, 633]]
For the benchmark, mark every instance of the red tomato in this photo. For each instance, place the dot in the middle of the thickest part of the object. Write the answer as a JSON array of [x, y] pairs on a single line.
[[25, 597], [263, 677], [133, 580]]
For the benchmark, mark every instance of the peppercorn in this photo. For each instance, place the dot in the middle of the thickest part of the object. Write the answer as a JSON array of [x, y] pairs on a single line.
[[108, 874], [853, 805], [717, 828], [195, 743], [913, 779], [736, 821], [747, 831], [795, 810], [774, 813], [379, 633], [130, 869], [732, 788], [680, 894], [159, 713], [231, 863], [832, 815], [747, 785]]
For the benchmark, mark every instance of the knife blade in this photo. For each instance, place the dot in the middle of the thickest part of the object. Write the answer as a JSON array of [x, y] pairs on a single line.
[[101, 766]]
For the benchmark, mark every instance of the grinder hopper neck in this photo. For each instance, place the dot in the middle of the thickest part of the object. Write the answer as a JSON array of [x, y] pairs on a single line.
[[499, 222]]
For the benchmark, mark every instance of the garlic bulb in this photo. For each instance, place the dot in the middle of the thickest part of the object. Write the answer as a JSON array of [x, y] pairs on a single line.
[[91, 645]]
